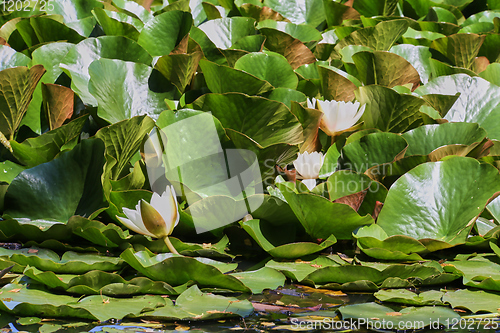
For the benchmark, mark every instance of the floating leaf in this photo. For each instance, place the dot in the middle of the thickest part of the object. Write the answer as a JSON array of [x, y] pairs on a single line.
[[70, 262], [409, 318], [177, 270], [321, 217], [473, 300], [97, 282], [10, 58], [424, 212], [195, 305], [264, 278], [32, 302], [59, 104], [460, 49]]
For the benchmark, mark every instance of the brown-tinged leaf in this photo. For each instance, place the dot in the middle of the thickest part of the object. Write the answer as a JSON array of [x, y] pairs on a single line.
[[58, 103], [16, 91], [295, 52], [310, 120], [182, 328], [480, 64], [182, 47], [328, 292], [353, 200], [261, 307], [32, 251], [334, 86], [3, 42], [377, 209], [394, 314], [15, 290], [260, 13]]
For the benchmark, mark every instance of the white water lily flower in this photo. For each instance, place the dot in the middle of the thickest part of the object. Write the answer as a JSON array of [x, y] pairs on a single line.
[[157, 219], [338, 116], [308, 166]]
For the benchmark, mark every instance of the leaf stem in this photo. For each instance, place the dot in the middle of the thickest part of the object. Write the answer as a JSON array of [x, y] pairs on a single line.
[[169, 245]]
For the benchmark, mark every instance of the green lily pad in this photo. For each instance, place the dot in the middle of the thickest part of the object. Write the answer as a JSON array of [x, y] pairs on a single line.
[[335, 86], [388, 110], [178, 270], [471, 183], [353, 277], [162, 33], [321, 218], [264, 121], [81, 167], [408, 318], [225, 32], [70, 262], [11, 58], [179, 69], [460, 49], [474, 301], [444, 139], [482, 274], [372, 150], [273, 68], [373, 241], [77, 61], [118, 24], [346, 182], [369, 8], [25, 301], [431, 297], [476, 104], [282, 247], [125, 95], [380, 37], [304, 33], [223, 79], [492, 73], [298, 270], [418, 56], [264, 278], [44, 148], [312, 14], [97, 282], [195, 305]]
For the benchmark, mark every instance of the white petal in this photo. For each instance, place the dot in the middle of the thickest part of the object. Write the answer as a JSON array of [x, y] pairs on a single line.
[[311, 104], [132, 226], [309, 183], [308, 165], [166, 205]]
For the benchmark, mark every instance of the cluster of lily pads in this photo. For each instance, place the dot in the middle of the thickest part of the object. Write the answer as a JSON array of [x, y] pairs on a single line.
[[375, 123]]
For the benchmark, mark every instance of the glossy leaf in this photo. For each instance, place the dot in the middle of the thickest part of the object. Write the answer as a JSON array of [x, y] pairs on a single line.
[[476, 103], [388, 110], [76, 63], [258, 117], [161, 34], [272, 68], [82, 167], [122, 91], [465, 186]]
